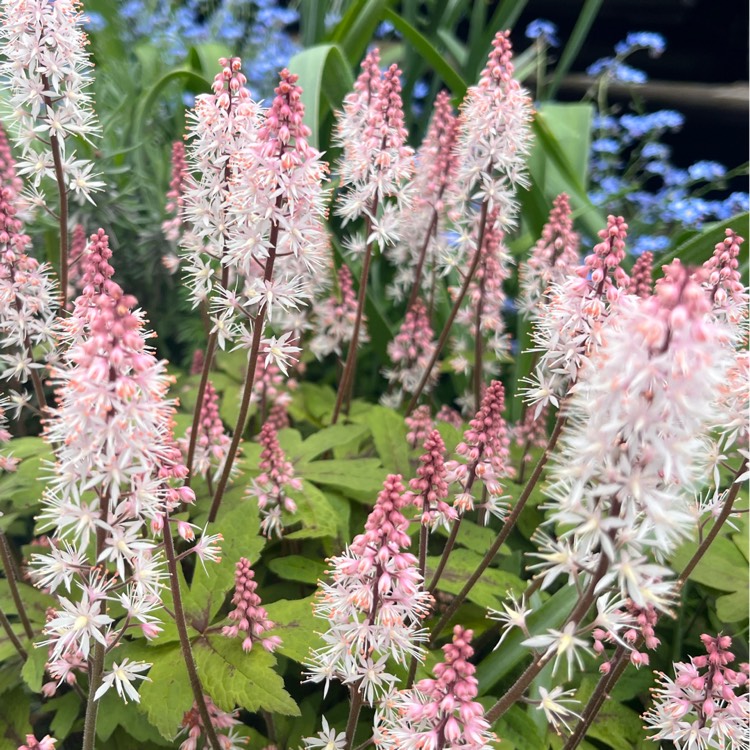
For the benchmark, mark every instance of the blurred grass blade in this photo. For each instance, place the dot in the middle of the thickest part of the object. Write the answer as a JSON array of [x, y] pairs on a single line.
[[567, 164], [578, 36], [429, 53], [355, 30], [326, 79], [700, 246], [313, 21], [505, 16]]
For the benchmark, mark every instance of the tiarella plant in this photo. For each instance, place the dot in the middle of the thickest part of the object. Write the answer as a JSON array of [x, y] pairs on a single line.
[[520, 475]]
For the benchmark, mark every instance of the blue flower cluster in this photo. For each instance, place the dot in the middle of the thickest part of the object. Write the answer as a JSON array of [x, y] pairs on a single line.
[[543, 30], [631, 169], [255, 29]]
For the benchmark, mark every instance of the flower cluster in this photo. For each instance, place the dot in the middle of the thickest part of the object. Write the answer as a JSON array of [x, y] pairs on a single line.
[[335, 317], [706, 705], [212, 443], [27, 291], [272, 485], [277, 245], [410, 353], [634, 453], [374, 603], [429, 488], [439, 711], [424, 223], [48, 72], [419, 424], [569, 328], [376, 161], [553, 258], [250, 617], [111, 433], [485, 451], [491, 148]]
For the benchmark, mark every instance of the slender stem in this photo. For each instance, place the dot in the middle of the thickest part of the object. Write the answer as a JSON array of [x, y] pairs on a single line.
[[63, 215], [423, 537], [347, 378], [505, 531], [579, 612], [454, 311], [252, 363], [5, 622], [446, 553], [96, 668], [210, 349], [601, 691], [10, 574], [619, 660], [726, 511], [355, 707], [212, 340], [187, 653], [420, 262], [478, 348]]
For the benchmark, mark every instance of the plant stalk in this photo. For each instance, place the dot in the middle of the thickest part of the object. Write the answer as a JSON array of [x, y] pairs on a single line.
[[187, 653], [508, 526], [347, 378], [454, 311], [10, 574]]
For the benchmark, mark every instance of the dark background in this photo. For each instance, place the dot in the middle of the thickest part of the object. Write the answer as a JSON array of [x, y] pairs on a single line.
[[707, 43]]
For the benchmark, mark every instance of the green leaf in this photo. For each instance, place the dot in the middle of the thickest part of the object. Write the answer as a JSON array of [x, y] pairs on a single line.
[[359, 479], [114, 713], [15, 713], [235, 678], [355, 30], [238, 522], [66, 708], [473, 536], [313, 509], [33, 669], [497, 664], [297, 568], [516, 729], [297, 627], [700, 246], [617, 725], [723, 567], [389, 434], [24, 487], [167, 695], [325, 78], [562, 133], [429, 53], [327, 439], [586, 18], [488, 591]]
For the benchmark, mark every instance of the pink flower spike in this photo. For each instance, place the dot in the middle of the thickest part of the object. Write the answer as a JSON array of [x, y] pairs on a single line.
[[410, 353], [273, 484], [439, 706], [251, 619], [706, 704], [553, 258], [429, 488], [32, 743], [175, 195], [641, 283], [420, 425]]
